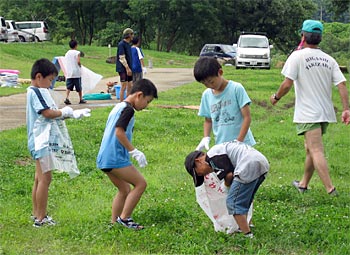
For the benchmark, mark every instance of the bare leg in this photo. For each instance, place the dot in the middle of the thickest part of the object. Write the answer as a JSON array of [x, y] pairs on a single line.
[[40, 191], [308, 169], [122, 90], [128, 88], [122, 177], [67, 93], [313, 139], [80, 93], [241, 220], [120, 197]]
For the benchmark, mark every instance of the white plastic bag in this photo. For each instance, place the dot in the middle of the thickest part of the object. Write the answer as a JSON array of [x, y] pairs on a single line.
[[51, 136], [212, 200], [89, 79]]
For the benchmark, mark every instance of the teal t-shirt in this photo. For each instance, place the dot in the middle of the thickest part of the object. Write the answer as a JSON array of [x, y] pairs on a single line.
[[224, 110]]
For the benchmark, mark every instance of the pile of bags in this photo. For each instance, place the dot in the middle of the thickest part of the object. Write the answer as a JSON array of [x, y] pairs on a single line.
[[8, 78]]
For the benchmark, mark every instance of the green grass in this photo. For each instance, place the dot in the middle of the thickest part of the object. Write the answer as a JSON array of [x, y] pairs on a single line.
[[21, 56], [286, 221]]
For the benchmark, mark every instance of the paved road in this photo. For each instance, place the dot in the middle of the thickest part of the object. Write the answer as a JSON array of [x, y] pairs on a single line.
[[12, 108]]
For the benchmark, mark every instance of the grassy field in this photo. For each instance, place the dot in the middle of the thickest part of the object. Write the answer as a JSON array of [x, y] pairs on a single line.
[[286, 221]]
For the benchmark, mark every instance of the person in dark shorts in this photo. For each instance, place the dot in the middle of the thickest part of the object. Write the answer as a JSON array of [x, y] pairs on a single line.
[[124, 62], [73, 75], [115, 151]]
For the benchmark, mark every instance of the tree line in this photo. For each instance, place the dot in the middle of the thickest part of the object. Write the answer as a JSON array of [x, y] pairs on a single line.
[[174, 25]]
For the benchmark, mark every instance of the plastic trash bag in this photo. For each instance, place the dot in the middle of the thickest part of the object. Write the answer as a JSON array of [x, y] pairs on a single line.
[[52, 139], [212, 199], [89, 79]]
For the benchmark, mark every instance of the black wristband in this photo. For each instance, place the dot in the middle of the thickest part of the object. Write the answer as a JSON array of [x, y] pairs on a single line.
[[275, 97]]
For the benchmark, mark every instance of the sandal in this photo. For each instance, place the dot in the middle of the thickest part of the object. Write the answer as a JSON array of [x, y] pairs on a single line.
[[129, 223], [300, 189]]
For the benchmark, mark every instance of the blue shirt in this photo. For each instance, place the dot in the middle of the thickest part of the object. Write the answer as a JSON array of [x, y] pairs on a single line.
[[36, 103], [224, 110], [136, 63], [112, 153]]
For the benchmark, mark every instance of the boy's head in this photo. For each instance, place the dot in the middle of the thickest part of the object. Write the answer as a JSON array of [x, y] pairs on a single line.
[[192, 162], [135, 41], [205, 68], [73, 44], [142, 93], [44, 67], [43, 73], [146, 87]]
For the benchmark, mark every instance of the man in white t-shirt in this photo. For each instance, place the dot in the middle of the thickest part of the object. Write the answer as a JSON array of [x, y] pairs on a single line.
[[73, 75], [313, 72]]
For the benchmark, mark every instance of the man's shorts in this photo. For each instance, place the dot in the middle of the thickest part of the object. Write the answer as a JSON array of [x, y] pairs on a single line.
[[241, 195], [73, 82], [302, 128], [124, 77], [136, 77]]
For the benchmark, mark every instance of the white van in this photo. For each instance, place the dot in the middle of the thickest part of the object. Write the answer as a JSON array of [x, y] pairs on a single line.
[[3, 30], [253, 50], [38, 28]]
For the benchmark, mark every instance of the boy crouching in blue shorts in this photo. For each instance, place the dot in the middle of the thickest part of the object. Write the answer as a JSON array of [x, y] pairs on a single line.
[[116, 149], [243, 169]]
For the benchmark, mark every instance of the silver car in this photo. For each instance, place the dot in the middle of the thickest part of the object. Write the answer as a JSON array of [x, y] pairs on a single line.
[[23, 36], [3, 30]]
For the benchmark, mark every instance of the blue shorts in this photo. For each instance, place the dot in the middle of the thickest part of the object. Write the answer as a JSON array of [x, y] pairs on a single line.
[[241, 195], [74, 82]]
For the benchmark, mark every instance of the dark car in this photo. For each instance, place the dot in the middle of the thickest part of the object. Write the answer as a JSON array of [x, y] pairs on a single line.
[[225, 52]]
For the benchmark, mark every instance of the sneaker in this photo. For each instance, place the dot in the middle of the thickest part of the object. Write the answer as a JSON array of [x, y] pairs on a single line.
[[82, 101], [333, 193], [47, 220], [300, 189], [129, 223], [67, 101]]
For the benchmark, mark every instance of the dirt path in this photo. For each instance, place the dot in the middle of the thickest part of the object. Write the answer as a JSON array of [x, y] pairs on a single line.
[[13, 108]]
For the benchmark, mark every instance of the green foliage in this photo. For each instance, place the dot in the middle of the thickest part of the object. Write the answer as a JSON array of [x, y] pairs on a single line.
[[172, 25], [286, 221], [336, 41]]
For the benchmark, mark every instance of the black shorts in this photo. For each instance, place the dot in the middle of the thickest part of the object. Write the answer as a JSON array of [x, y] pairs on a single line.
[[124, 77], [107, 170], [73, 82]]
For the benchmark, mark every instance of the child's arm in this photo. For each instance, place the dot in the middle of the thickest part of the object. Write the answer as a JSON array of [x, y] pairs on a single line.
[[246, 123], [207, 127], [122, 138], [78, 60], [228, 179], [135, 153], [65, 112]]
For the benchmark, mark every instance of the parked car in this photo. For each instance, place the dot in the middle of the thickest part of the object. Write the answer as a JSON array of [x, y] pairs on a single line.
[[225, 52], [23, 36], [3, 30], [253, 50], [39, 28], [12, 32]]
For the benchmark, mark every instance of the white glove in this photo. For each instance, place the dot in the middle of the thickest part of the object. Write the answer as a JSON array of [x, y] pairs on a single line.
[[144, 70], [224, 188], [204, 144], [78, 114], [139, 156], [67, 112]]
